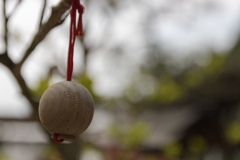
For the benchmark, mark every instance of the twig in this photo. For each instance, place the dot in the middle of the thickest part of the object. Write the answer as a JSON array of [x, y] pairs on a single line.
[[42, 14], [5, 27], [63, 18], [5, 60], [52, 22], [14, 9]]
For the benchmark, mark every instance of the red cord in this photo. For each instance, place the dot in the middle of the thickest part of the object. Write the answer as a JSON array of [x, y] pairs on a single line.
[[55, 138], [74, 31]]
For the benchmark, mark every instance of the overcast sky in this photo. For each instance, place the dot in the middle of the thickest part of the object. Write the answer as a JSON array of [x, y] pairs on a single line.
[[183, 32]]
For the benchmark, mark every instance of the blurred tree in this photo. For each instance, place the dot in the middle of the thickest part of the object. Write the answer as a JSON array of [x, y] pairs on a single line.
[[212, 89]]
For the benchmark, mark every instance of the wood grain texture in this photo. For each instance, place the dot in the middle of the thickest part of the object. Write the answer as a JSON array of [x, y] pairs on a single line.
[[66, 108]]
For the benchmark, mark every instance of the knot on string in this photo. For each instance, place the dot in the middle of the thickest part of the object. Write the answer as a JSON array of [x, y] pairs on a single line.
[[76, 6], [74, 31], [55, 138]]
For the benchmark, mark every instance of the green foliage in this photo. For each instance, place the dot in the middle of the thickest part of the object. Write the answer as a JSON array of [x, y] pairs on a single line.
[[215, 64], [167, 90], [3, 156], [131, 136], [141, 87], [43, 84], [172, 150], [197, 144], [50, 152], [164, 88], [86, 81], [146, 88], [232, 133], [193, 78]]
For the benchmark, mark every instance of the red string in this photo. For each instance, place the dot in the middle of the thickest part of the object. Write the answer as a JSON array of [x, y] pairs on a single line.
[[55, 138], [74, 31]]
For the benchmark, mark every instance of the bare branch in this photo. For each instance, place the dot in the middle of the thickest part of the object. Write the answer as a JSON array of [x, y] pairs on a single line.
[[14, 9], [16, 72], [5, 35], [52, 22], [42, 14], [62, 19], [5, 60]]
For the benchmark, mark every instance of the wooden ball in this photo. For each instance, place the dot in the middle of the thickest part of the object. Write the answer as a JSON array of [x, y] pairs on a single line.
[[66, 108]]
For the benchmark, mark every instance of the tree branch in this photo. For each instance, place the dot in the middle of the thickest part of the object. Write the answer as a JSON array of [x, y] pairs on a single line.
[[42, 14], [52, 22], [5, 60], [16, 72], [62, 19], [5, 19], [15, 7]]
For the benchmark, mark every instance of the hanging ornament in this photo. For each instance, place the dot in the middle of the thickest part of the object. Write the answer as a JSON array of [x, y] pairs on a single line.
[[66, 108]]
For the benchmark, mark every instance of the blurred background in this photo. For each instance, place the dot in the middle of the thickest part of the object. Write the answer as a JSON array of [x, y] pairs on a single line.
[[164, 75]]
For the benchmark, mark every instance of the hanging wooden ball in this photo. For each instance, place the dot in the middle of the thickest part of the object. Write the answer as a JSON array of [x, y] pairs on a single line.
[[66, 109]]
